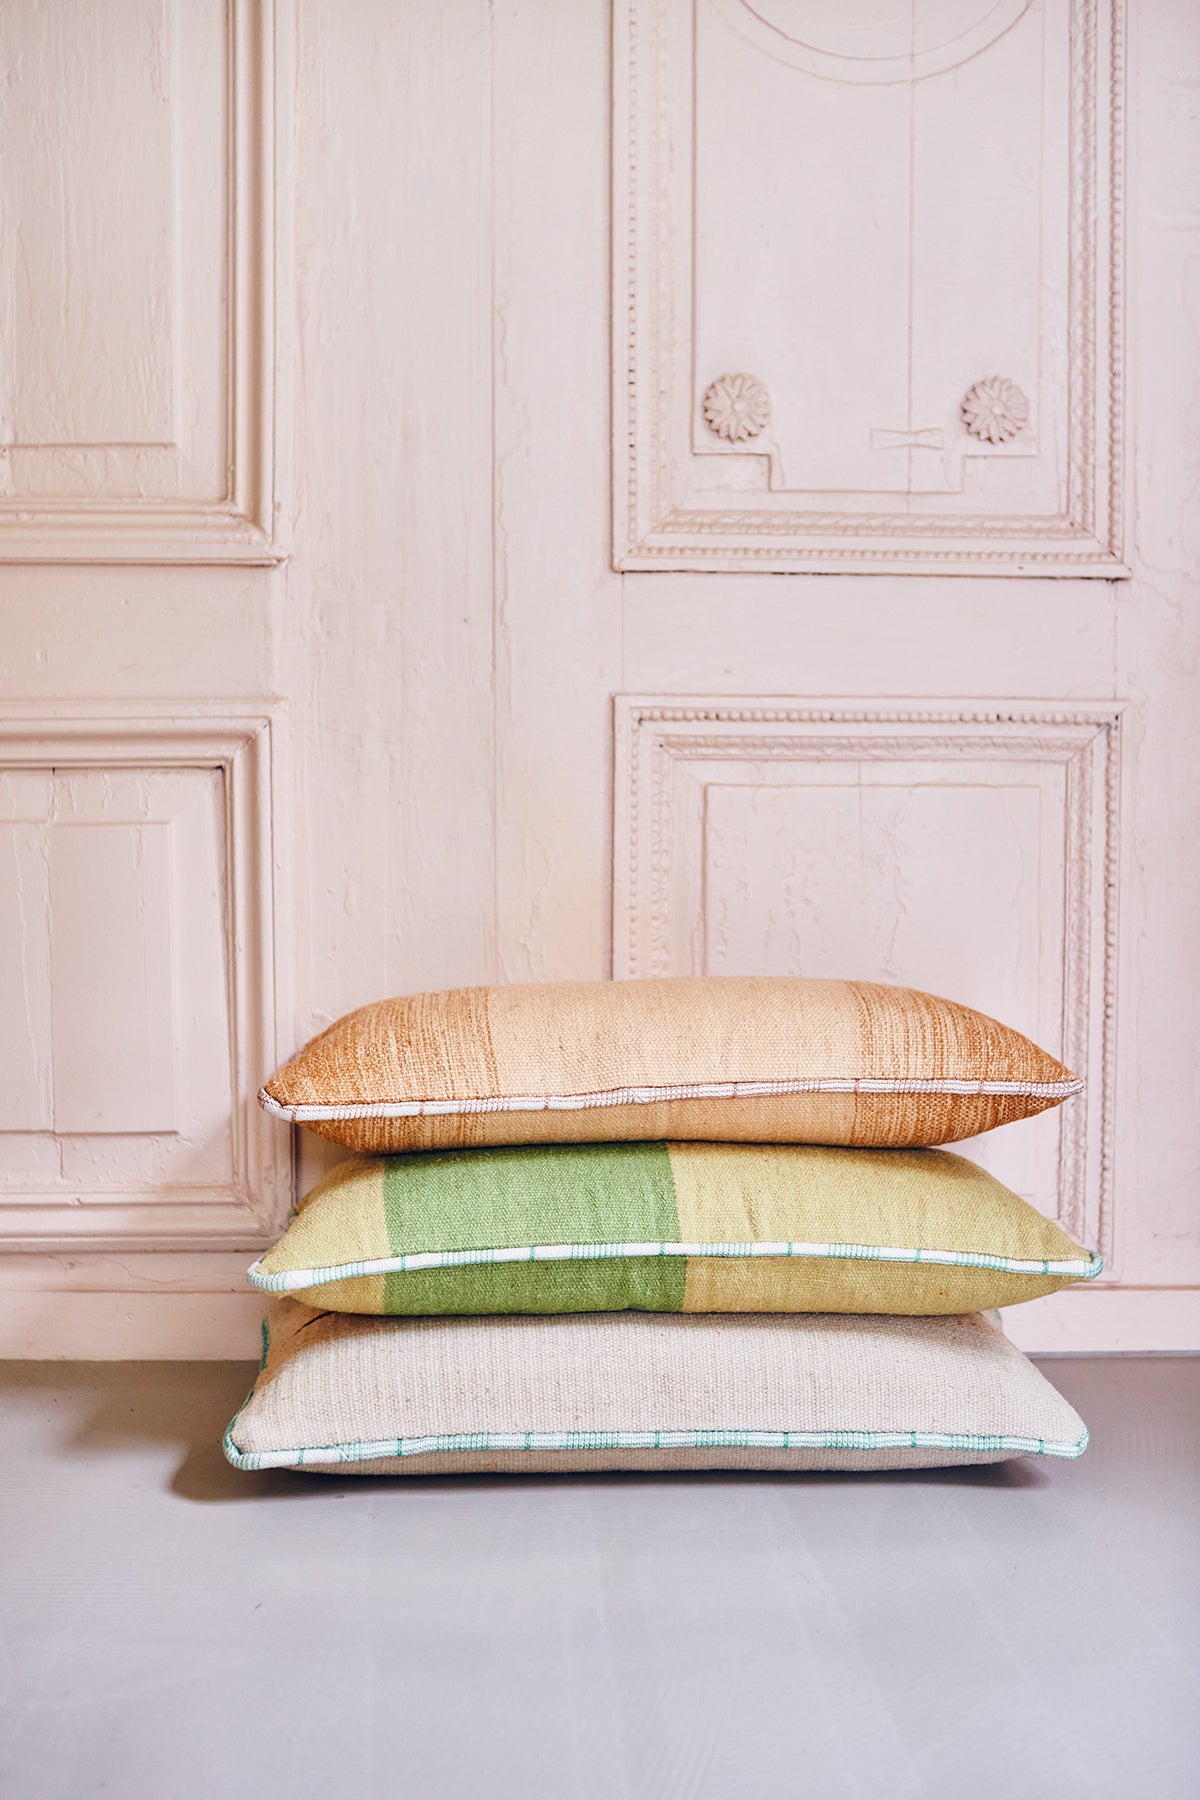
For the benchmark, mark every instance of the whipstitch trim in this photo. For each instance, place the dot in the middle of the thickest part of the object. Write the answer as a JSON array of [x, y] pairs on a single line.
[[289, 1280], [449, 1443], [457, 1442], [300, 1113]]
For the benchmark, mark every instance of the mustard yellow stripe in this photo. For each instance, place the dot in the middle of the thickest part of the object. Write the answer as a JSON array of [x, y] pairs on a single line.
[[341, 1220], [814, 1284], [819, 1194], [357, 1294]]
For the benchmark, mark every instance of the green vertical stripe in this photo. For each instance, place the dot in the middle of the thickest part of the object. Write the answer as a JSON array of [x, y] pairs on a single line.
[[614, 1284], [533, 1194]]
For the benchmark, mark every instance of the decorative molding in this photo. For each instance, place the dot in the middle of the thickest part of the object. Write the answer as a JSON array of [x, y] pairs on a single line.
[[244, 523], [657, 738], [736, 407], [930, 54], [665, 516], [995, 410], [243, 743]]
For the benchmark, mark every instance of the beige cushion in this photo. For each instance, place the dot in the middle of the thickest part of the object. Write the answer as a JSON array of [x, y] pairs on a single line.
[[750, 1059], [642, 1391]]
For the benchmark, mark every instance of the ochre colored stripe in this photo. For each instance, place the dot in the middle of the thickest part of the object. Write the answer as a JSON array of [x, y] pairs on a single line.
[[427, 1046]]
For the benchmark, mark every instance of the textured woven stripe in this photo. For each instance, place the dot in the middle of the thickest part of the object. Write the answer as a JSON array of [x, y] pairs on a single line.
[[457, 1442], [291, 1280], [439, 1204], [300, 1114]]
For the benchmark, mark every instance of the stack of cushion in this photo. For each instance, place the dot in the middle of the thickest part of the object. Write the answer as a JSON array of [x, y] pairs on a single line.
[[658, 1224]]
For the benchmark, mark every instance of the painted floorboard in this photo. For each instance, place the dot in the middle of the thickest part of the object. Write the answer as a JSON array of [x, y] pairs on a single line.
[[169, 1627]]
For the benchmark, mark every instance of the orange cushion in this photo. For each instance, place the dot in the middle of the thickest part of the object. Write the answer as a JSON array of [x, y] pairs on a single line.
[[772, 1059]]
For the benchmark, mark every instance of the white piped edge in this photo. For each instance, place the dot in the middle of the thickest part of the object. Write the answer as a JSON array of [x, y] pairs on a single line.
[[301, 1114]]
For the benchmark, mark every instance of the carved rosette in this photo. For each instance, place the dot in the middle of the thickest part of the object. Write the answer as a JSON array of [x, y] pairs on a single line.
[[736, 407], [995, 410]]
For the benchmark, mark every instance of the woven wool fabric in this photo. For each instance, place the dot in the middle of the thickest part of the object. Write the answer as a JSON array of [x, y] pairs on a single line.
[[643, 1390], [741, 1059], [667, 1228]]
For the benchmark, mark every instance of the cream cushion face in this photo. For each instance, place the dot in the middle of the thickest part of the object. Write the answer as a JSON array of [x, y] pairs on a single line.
[[338, 1392]]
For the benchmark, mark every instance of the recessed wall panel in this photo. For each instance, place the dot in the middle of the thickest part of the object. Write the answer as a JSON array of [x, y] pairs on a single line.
[[96, 283], [142, 152], [967, 851], [867, 303], [113, 1029], [138, 968]]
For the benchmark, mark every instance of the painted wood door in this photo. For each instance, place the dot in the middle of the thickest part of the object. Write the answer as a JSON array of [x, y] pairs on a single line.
[[502, 491]]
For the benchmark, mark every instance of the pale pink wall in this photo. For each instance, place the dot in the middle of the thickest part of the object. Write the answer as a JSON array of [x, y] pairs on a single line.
[[397, 630]]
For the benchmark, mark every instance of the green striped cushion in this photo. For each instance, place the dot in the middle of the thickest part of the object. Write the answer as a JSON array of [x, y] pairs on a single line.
[[660, 1227]]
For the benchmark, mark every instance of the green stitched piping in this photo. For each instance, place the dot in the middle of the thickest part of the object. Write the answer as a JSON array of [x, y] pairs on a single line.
[[232, 1453], [450, 1443], [289, 1280], [466, 1441]]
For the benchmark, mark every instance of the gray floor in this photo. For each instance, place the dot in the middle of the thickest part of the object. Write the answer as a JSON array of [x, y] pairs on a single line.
[[170, 1628]]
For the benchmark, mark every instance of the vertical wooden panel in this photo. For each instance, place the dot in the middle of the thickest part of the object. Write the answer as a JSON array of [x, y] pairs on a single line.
[[113, 1016], [558, 620], [834, 356], [389, 641], [88, 175], [1157, 647], [990, 266], [140, 402], [138, 873], [26, 1087]]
